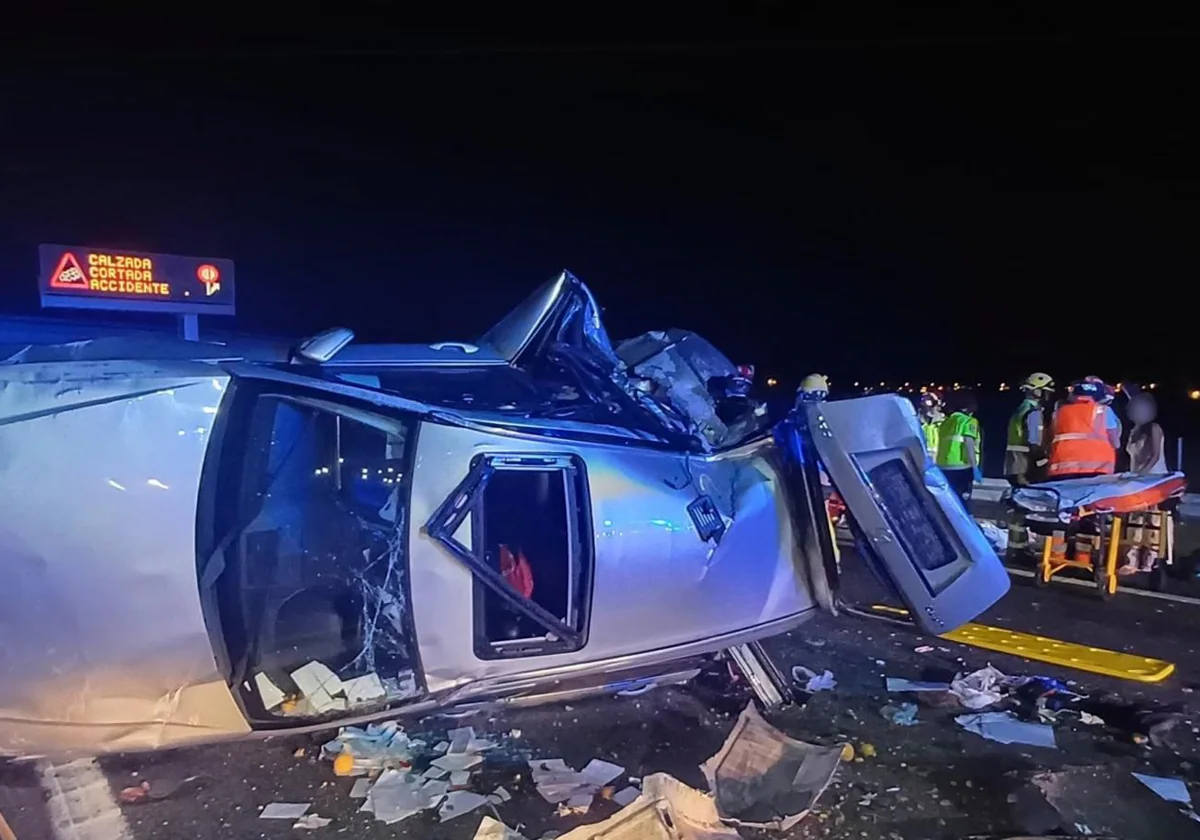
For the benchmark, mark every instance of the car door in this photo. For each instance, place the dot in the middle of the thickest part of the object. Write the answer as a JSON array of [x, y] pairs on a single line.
[[912, 527]]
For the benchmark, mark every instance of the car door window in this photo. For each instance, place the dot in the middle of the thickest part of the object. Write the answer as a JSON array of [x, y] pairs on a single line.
[[313, 596]]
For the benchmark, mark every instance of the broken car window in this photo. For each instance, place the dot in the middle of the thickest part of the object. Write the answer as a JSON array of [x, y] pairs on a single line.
[[316, 581]]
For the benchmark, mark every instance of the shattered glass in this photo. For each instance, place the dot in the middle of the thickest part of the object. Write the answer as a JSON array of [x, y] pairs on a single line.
[[314, 599]]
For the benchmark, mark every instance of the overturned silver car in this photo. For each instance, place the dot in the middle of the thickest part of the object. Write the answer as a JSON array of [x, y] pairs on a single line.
[[201, 542]]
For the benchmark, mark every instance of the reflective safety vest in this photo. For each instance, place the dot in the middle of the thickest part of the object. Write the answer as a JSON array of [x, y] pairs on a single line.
[[930, 430], [952, 438], [1018, 434], [1080, 440]]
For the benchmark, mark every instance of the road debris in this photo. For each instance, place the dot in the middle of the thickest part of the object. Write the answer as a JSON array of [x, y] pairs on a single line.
[[897, 685], [491, 828], [901, 714], [557, 782], [284, 811], [311, 821], [667, 809], [1168, 788], [1005, 728], [811, 681], [979, 689], [761, 778]]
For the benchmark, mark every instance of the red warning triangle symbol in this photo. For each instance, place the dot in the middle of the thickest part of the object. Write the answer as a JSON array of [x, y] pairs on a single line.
[[68, 275]]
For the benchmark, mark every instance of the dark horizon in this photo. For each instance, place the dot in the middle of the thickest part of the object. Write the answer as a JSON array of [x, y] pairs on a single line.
[[879, 204]]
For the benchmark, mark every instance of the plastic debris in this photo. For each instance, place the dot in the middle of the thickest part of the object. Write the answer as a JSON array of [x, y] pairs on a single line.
[[899, 684], [868, 750], [311, 821], [901, 714], [378, 747], [1004, 728], [1170, 789], [923, 649], [812, 681], [847, 752], [997, 537], [979, 689], [284, 811], [761, 778]]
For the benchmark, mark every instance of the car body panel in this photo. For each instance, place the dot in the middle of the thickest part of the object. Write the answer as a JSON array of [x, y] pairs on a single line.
[[102, 642]]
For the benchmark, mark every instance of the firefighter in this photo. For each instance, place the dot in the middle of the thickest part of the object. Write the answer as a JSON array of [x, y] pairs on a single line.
[[931, 412], [1025, 454], [1085, 433], [813, 388]]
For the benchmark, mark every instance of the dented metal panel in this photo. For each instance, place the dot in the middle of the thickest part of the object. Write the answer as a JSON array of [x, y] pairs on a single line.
[[102, 641], [645, 542]]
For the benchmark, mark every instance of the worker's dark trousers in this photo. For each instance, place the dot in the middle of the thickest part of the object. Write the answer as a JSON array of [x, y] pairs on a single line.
[[961, 481]]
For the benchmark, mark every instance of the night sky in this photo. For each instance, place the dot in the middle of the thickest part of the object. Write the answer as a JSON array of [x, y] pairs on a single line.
[[889, 199]]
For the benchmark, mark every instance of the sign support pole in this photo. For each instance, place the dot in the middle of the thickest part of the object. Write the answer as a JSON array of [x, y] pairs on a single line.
[[189, 327]]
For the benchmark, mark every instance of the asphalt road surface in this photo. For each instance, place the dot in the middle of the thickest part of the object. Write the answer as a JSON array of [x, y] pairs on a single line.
[[930, 780]]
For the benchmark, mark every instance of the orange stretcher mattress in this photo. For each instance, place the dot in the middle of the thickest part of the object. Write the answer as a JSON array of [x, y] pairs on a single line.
[[1067, 499]]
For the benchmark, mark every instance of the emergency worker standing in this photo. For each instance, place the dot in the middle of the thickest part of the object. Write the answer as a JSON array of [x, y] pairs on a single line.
[[931, 412], [1025, 453], [1084, 433], [960, 448]]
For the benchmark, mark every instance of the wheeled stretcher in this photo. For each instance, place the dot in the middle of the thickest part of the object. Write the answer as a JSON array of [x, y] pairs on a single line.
[[1088, 523]]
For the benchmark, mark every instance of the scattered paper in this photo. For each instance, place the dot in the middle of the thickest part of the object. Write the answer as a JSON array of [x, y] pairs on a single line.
[[284, 811], [459, 802], [318, 684], [1170, 789], [361, 788], [434, 772], [502, 794], [1003, 728], [460, 778], [312, 821], [364, 689], [452, 762], [761, 778], [600, 772], [897, 684], [268, 692]]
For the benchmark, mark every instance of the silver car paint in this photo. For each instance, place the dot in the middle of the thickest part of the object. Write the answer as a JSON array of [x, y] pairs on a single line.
[[103, 645], [646, 551], [102, 642]]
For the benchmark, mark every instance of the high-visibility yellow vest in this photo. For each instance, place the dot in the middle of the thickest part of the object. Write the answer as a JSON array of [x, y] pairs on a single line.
[[930, 430], [952, 440]]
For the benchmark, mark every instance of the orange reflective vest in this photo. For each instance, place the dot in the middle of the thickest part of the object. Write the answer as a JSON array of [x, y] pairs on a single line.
[[1079, 442]]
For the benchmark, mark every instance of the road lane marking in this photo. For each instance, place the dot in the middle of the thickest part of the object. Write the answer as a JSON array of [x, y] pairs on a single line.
[[80, 803]]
